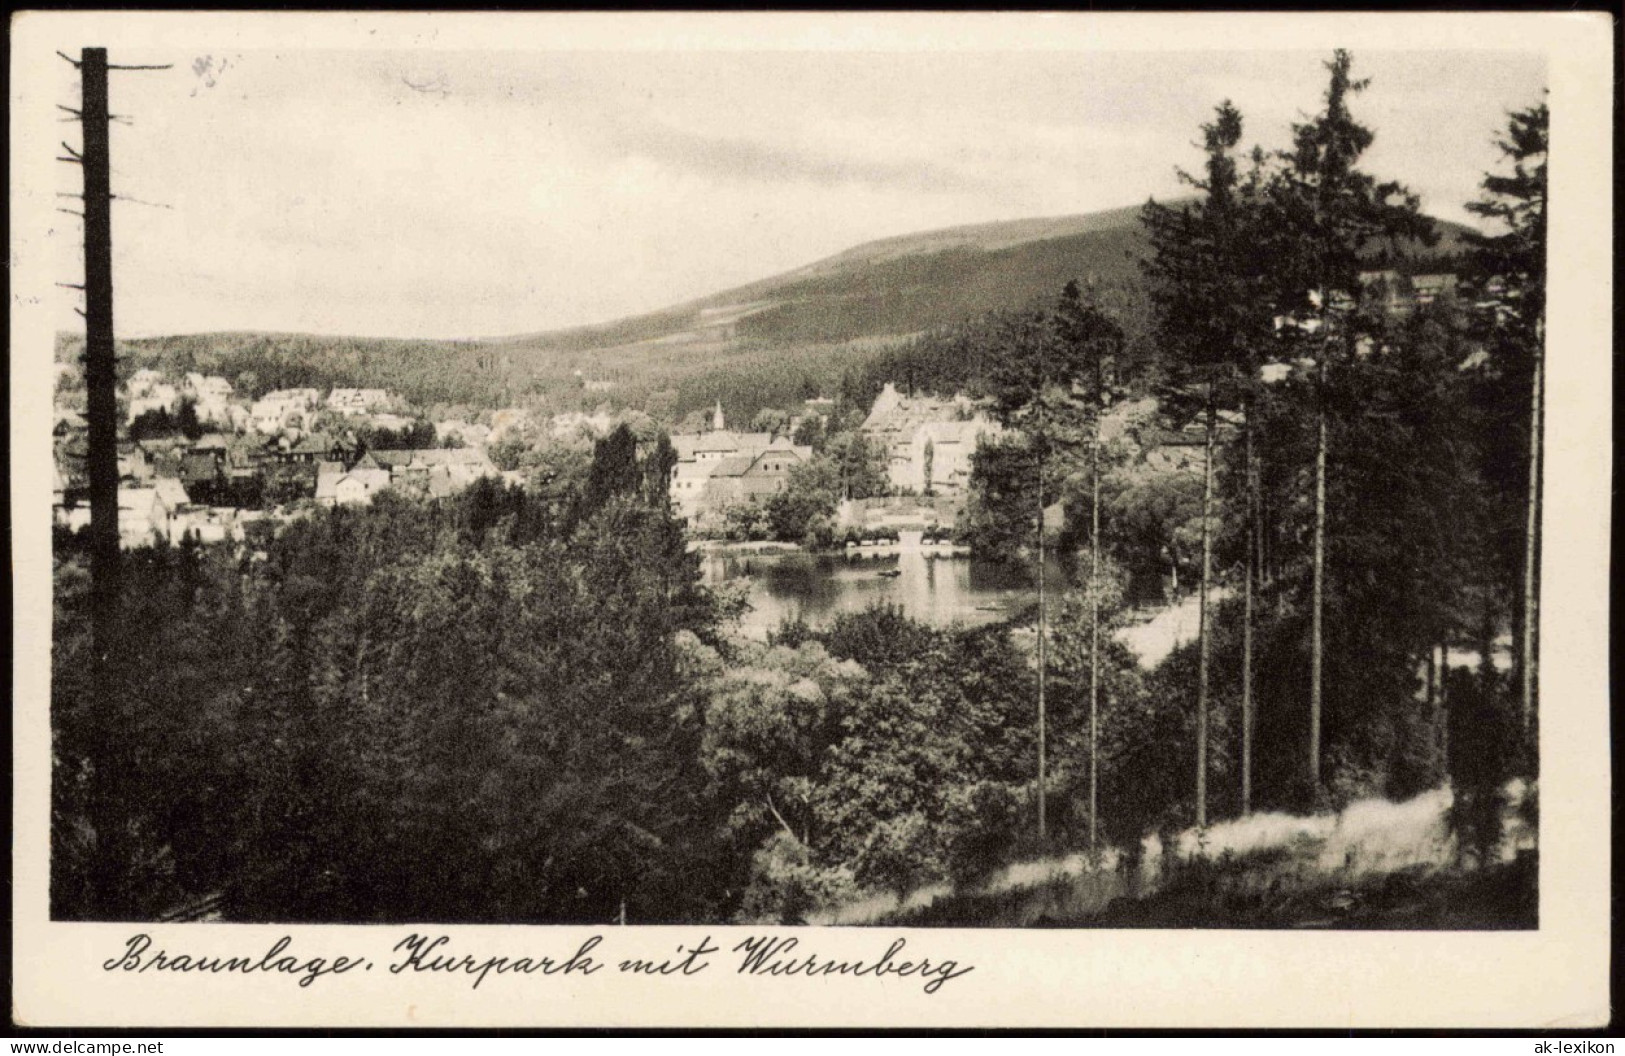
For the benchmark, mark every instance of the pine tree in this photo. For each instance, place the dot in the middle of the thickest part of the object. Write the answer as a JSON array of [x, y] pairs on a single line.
[[1517, 256], [1212, 317], [1083, 326], [1041, 387], [614, 471], [1325, 215]]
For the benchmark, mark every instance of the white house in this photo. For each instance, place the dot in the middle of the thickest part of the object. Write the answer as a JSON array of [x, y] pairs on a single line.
[[701, 456], [141, 383], [358, 486], [688, 487], [203, 386], [939, 455], [171, 492], [159, 396], [276, 411], [908, 428], [143, 517], [357, 401]]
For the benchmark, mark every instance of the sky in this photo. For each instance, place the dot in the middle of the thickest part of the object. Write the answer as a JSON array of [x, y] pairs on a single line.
[[446, 194]]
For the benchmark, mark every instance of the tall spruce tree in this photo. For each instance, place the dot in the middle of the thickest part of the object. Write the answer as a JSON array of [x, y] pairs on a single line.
[[1513, 260], [1325, 218], [1041, 388], [1212, 317], [1100, 340]]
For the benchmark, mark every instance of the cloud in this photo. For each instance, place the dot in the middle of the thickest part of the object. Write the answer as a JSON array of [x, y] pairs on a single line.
[[738, 158], [454, 193]]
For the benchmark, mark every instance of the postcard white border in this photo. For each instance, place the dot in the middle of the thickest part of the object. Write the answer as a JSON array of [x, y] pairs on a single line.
[[1551, 978]]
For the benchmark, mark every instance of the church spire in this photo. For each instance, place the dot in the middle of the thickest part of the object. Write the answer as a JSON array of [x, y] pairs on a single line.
[[716, 418]]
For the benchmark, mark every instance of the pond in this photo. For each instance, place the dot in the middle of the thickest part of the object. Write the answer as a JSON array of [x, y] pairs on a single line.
[[938, 588]]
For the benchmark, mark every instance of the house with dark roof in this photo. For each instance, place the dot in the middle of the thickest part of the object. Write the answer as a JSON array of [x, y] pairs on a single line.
[[701, 455], [199, 470], [318, 447], [744, 479], [215, 444]]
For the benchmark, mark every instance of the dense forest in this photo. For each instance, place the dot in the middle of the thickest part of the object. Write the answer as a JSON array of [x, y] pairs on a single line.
[[520, 703]]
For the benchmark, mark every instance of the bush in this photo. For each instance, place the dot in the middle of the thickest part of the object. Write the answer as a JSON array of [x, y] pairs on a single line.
[[1482, 731], [900, 854], [982, 822], [785, 885]]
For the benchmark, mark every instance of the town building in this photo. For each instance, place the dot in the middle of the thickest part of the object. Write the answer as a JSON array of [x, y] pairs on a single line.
[[282, 409], [134, 463], [337, 486], [424, 473], [212, 399], [927, 440], [157, 397], [434, 471], [318, 447], [142, 381], [143, 517], [687, 488], [171, 492], [745, 479], [357, 401], [719, 468], [718, 445]]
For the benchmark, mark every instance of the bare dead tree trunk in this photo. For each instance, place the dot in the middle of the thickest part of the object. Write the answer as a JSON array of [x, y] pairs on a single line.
[[1247, 618], [1531, 549], [100, 379], [1442, 708], [1204, 633], [1042, 660], [1260, 540], [1094, 629], [1318, 590], [1431, 699]]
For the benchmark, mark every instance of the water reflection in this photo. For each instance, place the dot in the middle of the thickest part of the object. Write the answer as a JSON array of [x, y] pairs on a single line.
[[939, 589]]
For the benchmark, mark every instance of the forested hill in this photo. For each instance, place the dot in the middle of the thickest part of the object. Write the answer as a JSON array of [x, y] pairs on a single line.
[[909, 283], [893, 285], [797, 332]]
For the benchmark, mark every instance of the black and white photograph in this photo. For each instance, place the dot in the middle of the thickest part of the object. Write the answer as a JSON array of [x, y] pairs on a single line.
[[854, 486]]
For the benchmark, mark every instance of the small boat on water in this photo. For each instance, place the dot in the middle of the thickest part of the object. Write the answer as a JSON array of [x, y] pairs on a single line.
[[890, 573]]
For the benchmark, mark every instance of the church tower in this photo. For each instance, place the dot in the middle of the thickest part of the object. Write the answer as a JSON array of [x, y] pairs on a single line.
[[716, 418]]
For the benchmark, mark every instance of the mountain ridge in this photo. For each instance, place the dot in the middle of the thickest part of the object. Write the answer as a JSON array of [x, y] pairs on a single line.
[[901, 284], [984, 236], [759, 344]]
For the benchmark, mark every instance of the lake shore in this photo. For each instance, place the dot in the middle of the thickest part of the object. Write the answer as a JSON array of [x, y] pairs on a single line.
[[724, 547]]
